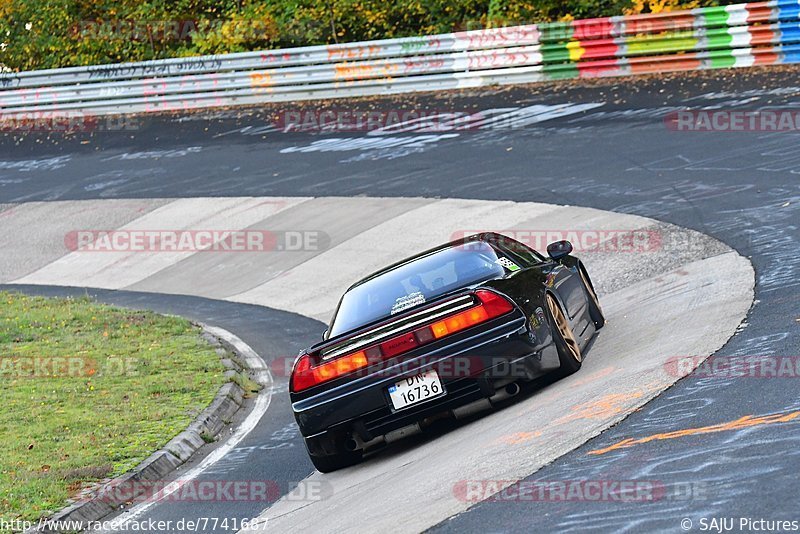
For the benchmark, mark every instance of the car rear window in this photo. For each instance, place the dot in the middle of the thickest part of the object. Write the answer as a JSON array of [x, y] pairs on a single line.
[[416, 283]]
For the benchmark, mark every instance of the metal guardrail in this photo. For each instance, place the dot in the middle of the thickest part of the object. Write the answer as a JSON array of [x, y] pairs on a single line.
[[756, 33]]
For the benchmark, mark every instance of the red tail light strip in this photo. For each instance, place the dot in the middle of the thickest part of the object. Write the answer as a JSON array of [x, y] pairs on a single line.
[[428, 315], [490, 305]]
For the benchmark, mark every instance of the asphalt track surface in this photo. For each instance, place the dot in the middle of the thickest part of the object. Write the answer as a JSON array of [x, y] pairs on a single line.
[[740, 188]]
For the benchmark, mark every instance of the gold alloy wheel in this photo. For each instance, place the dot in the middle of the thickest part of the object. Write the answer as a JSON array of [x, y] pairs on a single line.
[[590, 289], [563, 328]]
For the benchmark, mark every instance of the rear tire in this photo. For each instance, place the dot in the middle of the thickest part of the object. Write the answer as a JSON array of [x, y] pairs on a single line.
[[569, 352], [595, 311], [334, 462]]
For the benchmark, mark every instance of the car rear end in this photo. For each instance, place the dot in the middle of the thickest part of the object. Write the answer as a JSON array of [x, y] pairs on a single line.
[[384, 381]]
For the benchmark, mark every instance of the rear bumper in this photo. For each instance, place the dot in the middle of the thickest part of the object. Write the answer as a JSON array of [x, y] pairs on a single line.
[[470, 368]]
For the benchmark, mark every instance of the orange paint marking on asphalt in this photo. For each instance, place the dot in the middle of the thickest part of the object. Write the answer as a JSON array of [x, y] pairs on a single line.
[[609, 405], [551, 396], [592, 377], [606, 406], [518, 437], [745, 422]]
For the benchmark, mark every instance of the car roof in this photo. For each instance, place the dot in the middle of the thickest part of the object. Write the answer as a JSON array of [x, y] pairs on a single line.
[[486, 237]]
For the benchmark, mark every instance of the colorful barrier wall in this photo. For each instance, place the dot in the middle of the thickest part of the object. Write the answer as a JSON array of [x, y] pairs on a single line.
[[742, 35]]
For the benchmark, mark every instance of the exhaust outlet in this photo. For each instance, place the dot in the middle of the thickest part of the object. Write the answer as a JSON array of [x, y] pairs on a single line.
[[507, 392], [472, 408], [401, 433], [482, 405], [355, 443]]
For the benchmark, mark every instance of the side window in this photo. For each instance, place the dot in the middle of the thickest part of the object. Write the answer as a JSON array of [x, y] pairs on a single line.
[[517, 250]]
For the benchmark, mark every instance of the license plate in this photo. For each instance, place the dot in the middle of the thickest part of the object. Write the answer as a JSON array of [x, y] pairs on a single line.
[[415, 389]]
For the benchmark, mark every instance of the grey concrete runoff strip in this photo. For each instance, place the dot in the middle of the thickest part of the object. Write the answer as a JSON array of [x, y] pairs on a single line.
[[33, 234], [102, 502]]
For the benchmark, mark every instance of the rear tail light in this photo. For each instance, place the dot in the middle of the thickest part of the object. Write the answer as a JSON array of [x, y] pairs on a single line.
[[494, 304], [306, 374]]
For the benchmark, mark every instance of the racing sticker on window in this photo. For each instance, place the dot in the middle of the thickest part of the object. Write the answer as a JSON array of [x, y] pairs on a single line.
[[508, 264], [408, 301]]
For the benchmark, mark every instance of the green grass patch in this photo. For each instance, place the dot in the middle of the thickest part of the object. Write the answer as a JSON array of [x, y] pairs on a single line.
[[88, 392]]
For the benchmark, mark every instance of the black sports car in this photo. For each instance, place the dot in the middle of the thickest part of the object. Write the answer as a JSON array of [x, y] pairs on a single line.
[[444, 333]]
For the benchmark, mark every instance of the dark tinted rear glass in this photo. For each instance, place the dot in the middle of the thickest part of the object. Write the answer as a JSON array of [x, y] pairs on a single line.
[[415, 283], [523, 252]]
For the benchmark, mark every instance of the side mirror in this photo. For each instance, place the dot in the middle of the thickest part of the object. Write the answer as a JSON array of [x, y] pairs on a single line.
[[324, 335], [559, 249]]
